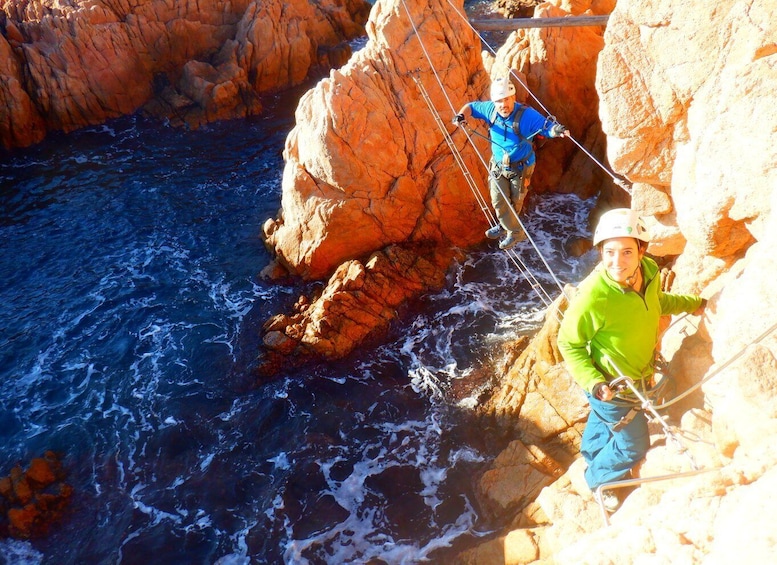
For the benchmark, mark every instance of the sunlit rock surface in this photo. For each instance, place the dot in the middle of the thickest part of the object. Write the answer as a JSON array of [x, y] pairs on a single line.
[[367, 164], [683, 93], [65, 65]]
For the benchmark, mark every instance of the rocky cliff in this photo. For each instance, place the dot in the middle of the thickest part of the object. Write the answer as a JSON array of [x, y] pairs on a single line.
[[684, 100], [65, 65], [373, 202]]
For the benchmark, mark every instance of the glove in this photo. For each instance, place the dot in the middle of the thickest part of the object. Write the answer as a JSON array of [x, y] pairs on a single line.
[[602, 392], [458, 120], [558, 130]]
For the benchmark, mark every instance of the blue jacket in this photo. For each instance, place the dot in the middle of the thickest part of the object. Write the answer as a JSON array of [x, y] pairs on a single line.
[[503, 136]]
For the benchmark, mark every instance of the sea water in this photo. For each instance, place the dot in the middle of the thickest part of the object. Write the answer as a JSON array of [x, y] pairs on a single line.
[[131, 311]]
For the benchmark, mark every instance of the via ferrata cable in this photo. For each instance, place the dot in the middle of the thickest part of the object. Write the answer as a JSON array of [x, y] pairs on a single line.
[[484, 206], [720, 368], [492, 221]]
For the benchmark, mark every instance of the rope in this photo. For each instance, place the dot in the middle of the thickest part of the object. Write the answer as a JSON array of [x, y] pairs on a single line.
[[428, 57], [647, 406], [465, 18], [485, 207], [516, 259], [671, 432], [619, 182], [719, 369]]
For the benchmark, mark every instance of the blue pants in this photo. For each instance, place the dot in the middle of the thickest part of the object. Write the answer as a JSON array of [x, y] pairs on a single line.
[[610, 455]]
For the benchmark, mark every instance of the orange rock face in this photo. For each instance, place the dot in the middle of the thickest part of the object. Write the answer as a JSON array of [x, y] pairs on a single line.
[[358, 303], [557, 67], [683, 91], [67, 65], [366, 164], [368, 167]]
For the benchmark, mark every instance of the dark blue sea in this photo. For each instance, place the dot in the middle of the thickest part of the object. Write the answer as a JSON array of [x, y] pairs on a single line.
[[131, 306]]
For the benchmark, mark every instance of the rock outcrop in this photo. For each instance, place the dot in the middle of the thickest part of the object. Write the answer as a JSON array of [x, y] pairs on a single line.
[[368, 167], [65, 65], [516, 8], [557, 67], [688, 124], [359, 302], [32, 499]]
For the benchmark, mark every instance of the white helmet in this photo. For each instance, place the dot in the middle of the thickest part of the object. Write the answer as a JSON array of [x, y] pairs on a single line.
[[501, 88], [620, 222]]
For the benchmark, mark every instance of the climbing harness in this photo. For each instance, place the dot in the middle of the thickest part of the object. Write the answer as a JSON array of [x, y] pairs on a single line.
[[515, 123], [671, 433], [493, 222], [617, 181], [485, 206], [642, 402]]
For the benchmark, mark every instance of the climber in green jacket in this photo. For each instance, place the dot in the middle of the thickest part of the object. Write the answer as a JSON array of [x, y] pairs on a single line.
[[611, 327]]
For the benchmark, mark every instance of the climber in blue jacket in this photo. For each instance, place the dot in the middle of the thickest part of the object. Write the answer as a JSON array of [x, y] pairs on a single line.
[[512, 127]]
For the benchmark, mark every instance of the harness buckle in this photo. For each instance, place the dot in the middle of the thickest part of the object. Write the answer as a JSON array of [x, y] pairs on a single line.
[[625, 420]]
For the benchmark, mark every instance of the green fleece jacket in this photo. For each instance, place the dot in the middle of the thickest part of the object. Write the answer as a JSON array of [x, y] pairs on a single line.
[[606, 321]]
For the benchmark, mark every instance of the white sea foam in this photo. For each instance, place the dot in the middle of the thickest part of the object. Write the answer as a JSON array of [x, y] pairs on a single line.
[[280, 461], [233, 559], [137, 336], [473, 313], [15, 552]]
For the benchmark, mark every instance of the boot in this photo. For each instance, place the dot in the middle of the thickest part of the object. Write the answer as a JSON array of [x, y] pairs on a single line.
[[511, 239], [608, 499], [495, 232]]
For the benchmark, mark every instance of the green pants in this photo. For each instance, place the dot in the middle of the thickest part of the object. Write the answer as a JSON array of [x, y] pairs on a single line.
[[514, 185]]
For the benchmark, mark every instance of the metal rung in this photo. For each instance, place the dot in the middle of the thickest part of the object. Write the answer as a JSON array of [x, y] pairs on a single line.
[[636, 482]]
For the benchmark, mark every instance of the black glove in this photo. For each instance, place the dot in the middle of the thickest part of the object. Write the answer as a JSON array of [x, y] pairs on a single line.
[[558, 130], [458, 120]]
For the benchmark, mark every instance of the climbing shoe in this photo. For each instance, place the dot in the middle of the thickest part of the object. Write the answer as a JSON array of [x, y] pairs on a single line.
[[511, 239], [608, 499], [495, 232]]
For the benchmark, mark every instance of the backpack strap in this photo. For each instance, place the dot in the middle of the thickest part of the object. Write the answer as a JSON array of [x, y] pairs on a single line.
[[516, 115], [517, 121]]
